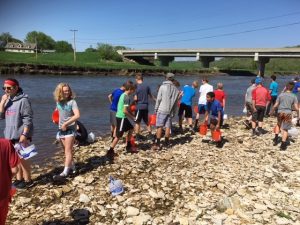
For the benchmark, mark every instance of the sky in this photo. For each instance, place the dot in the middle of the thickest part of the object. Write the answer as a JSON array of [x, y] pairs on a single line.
[[152, 24]]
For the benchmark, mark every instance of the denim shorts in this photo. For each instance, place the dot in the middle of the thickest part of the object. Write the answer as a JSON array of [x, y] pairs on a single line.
[[66, 133]]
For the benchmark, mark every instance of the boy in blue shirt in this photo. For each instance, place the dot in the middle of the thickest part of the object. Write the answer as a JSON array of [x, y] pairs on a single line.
[[188, 92], [114, 99], [273, 89], [213, 112]]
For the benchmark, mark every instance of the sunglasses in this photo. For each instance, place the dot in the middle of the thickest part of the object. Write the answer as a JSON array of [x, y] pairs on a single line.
[[8, 88]]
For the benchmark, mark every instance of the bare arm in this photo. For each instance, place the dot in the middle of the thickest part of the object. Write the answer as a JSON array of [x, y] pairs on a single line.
[[14, 170], [110, 98]]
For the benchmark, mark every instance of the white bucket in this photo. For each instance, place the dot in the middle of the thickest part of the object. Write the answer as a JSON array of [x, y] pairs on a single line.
[[26, 153]]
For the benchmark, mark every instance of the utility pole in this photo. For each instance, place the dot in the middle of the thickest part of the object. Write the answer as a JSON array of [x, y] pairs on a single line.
[[74, 44], [35, 48]]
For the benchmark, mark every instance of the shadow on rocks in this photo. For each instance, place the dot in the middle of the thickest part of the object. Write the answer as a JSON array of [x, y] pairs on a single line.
[[80, 217], [81, 168]]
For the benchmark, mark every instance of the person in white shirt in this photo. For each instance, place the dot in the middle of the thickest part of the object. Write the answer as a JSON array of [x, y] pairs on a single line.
[[204, 89]]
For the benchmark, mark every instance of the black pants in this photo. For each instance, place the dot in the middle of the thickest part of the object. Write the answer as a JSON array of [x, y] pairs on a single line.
[[273, 100]]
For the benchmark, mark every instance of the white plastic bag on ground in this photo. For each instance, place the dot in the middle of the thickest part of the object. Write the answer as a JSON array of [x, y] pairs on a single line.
[[245, 110], [91, 137], [293, 132], [115, 186], [26, 153], [225, 117]]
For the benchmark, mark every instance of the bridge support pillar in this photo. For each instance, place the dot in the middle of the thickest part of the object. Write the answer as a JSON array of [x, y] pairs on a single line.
[[261, 66], [165, 60], [206, 60]]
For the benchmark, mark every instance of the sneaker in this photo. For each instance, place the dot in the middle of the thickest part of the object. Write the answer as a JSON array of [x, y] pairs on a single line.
[[110, 155], [283, 146], [60, 176], [139, 137], [16, 182], [276, 141], [24, 184]]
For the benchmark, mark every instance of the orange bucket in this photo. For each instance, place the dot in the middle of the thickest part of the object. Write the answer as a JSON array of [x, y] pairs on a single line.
[[55, 116], [133, 108], [152, 120], [203, 129], [196, 109], [216, 135]]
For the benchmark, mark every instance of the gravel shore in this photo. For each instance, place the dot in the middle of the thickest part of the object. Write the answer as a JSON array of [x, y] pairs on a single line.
[[246, 181]]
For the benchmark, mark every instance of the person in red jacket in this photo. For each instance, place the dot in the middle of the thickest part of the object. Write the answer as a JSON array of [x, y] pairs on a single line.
[[8, 167], [260, 100]]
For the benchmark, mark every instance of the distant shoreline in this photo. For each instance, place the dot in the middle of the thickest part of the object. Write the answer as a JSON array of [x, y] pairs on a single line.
[[26, 68]]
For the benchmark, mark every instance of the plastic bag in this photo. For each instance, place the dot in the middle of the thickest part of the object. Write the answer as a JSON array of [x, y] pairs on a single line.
[[26, 153], [293, 132], [225, 117], [245, 110], [115, 186], [91, 137]]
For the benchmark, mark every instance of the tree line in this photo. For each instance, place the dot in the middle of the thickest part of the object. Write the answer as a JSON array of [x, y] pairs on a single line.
[[46, 42]]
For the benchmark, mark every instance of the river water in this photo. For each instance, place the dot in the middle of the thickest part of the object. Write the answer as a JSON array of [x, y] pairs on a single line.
[[92, 92]]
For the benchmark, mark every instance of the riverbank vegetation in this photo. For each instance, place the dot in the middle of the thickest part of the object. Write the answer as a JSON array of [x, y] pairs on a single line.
[[98, 60]]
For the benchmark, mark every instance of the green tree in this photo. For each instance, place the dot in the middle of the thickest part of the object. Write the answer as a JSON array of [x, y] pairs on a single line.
[[43, 41], [7, 37], [108, 52], [63, 46], [90, 49]]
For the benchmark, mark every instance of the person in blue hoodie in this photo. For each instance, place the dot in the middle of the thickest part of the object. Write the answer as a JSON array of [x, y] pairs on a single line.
[[16, 109]]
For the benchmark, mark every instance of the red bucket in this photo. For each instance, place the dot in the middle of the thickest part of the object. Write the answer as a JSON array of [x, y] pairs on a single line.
[[133, 108], [203, 129], [196, 109], [55, 116], [216, 135], [152, 120]]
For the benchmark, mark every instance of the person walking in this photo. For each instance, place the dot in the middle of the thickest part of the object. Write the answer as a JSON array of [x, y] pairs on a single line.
[[142, 94], [296, 91], [185, 108], [15, 108], [260, 100], [248, 104], [204, 89], [285, 104], [8, 168], [165, 108], [273, 89], [68, 115], [114, 99], [123, 123]]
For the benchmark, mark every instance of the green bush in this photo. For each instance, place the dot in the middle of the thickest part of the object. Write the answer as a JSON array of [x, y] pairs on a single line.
[[108, 52]]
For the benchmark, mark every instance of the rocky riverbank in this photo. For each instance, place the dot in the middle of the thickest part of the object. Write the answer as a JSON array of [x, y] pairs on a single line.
[[247, 181]]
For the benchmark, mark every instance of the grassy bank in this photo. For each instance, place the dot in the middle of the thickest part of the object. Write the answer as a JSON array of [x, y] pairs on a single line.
[[91, 60]]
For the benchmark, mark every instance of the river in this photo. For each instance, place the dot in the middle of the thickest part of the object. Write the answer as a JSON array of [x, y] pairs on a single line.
[[92, 92]]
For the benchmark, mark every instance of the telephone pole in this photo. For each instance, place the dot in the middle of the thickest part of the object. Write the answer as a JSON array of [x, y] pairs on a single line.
[[36, 55], [74, 44]]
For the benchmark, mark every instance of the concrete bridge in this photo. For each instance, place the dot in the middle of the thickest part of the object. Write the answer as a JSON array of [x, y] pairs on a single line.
[[207, 55]]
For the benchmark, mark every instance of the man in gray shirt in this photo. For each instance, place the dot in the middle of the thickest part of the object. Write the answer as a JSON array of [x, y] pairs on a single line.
[[248, 103], [285, 103]]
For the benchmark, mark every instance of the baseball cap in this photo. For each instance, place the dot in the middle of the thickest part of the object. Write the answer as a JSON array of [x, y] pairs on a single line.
[[170, 75], [258, 80]]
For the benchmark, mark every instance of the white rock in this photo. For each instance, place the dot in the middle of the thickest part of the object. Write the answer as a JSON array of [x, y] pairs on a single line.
[[84, 198], [282, 221], [141, 219], [131, 211]]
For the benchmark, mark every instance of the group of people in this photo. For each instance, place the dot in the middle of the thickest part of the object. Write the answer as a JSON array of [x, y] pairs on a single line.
[[129, 107]]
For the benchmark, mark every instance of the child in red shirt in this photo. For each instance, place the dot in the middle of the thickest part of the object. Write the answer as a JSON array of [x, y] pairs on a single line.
[[220, 95], [8, 167]]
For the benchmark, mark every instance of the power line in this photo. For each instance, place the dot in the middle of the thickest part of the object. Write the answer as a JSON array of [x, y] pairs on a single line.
[[206, 37], [200, 29]]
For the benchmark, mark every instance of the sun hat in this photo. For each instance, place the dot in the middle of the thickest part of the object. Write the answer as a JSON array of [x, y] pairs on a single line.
[[170, 75]]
